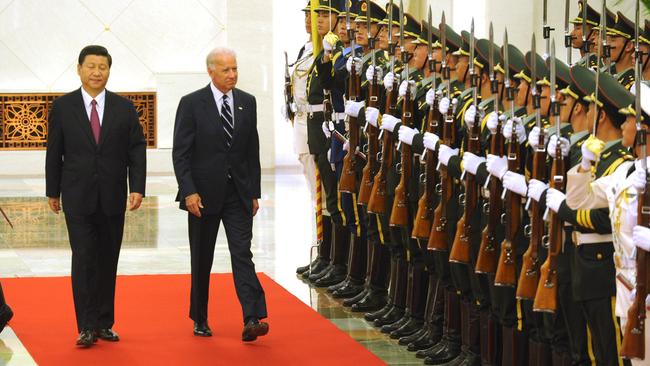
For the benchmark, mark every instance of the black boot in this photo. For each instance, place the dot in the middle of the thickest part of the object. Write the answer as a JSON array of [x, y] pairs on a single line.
[[434, 313], [539, 353], [372, 316], [450, 347], [339, 255], [374, 299], [561, 359], [337, 286], [399, 298], [349, 290], [323, 259], [388, 328], [470, 332], [416, 302], [489, 338], [421, 333], [514, 350]]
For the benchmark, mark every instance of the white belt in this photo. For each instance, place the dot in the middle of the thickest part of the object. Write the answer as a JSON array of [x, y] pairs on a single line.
[[590, 238], [624, 262], [312, 108], [339, 116]]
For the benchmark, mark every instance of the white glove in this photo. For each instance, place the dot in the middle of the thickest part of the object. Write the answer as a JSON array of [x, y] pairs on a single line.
[[389, 79], [471, 162], [638, 177], [497, 165], [430, 141], [519, 130], [443, 105], [493, 121], [591, 150], [352, 108], [430, 97], [358, 65], [329, 42], [370, 73], [412, 88], [533, 137], [346, 146], [552, 146], [515, 182], [372, 114], [406, 134], [388, 122], [641, 237], [470, 115], [536, 189], [445, 153], [554, 199], [326, 130]]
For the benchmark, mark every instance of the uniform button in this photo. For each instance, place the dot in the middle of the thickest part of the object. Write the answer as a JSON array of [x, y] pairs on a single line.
[[599, 256]]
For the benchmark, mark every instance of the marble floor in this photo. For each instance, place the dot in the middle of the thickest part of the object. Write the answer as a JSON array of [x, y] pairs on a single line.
[[155, 241]]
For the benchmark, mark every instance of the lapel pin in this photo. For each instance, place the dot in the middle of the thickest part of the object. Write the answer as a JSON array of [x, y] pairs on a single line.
[[240, 108]]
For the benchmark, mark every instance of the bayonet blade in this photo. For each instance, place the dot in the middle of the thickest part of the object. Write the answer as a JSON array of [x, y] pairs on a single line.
[[553, 75], [472, 72], [401, 25], [567, 32], [585, 40], [602, 50], [546, 29], [429, 37], [443, 38], [506, 63], [491, 53]]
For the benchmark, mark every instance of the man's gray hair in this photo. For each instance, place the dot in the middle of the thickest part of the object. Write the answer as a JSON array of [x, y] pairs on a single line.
[[210, 59]]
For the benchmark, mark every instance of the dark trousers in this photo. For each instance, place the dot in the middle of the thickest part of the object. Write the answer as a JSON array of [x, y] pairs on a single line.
[[605, 330], [238, 221], [95, 240]]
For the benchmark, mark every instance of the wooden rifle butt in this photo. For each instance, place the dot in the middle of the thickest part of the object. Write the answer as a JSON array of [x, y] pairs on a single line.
[[633, 346], [365, 189], [438, 239], [460, 248], [422, 222], [546, 296], [528, 277], [506, 271], [487, 255], [377, 201], [399, 213], [348, 181]]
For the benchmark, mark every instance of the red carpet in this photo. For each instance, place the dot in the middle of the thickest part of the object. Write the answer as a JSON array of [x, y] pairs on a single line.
[[152, 320]]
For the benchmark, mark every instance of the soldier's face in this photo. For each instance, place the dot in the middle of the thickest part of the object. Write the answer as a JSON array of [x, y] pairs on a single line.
[[307, 22], [462, 71], [361, 36], [224, 72], [629, 131], [522, 91], [565, 107], [419, 55], [342, 31], [546, 100], [576, 34], [326, 22], [437, 56], [590, 116], [617, 46]]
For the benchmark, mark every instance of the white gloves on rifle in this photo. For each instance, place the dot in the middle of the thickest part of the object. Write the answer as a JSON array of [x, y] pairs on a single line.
[[430, 97], [406, 134], [370, 73], [536, 189], [410, 85], [372, 114], [470, 116], [329, 42], [591, 150], [352, 108], [430, 141], [638, 177], [445, 153], [641, 237], [358, 64], [471, 162], [519, 130], [552, 146], [497, 165], [443, 105], [388, 122], [533, 137], [515, 182], [493, 121], [389, 79], [554, 199]]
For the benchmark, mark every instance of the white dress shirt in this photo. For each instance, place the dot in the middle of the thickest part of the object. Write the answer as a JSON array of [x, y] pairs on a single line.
[[218, 97], [101, 102]]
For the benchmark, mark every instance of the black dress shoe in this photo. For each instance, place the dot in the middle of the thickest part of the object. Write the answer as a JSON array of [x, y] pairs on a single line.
[[303, 269], [406, 340], [318, 267], [333, 277], [107, 335], [202, 329], [317, 273], [86, 338], [254, 329], [339, 285], [411, 326], [353, 295], [5, 316], [374, 300], [431, 350], [389, 328], [443, 354], [374, 315], [393, 315]]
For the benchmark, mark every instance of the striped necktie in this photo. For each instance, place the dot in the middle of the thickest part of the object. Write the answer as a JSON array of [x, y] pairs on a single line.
[[226, 118]]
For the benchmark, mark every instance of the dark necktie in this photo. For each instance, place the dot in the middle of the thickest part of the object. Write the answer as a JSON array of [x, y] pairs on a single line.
[[226, 117], [94, 121]]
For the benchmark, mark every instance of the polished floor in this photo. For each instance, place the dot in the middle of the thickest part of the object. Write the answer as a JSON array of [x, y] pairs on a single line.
[[155, 241]]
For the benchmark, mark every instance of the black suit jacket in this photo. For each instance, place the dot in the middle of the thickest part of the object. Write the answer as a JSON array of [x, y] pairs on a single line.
[[85, 173], [202, 160]]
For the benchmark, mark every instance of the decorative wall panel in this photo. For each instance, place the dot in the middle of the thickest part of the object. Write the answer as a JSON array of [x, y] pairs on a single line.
[[23, 118]]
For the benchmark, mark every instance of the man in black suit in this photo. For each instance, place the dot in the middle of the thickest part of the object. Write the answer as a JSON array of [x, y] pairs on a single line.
[[217, 166], [94, 143]]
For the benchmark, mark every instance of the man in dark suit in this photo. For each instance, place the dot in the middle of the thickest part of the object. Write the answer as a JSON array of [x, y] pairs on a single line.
[[5, 311], [94, 143], [217, 166]]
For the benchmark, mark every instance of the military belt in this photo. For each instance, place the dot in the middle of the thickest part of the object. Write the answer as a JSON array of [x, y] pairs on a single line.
[[590, 238]]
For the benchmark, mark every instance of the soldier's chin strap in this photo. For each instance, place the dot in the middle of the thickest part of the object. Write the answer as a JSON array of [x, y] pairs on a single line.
[[620, 54], [573, 107]]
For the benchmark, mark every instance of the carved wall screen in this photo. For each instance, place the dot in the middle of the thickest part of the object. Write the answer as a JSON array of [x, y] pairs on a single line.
[[23, 118]]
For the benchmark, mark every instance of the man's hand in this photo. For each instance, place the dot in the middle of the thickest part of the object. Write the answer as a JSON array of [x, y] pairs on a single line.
[[193, 204], [55, 204], [256, 206], [135, 200]]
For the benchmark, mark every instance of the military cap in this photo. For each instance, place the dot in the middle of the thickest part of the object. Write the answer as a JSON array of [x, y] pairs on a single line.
[[562, 74], [482, 55], [463, 50], [354, 9], [411, 26], [583, 83], [593, 17], [516, 61], [453, 39], [612, 96], [395, 19], [335, 6], [622, 28], [540, 68], [422, 38], [308, 6], [645, 103], [377, 13]]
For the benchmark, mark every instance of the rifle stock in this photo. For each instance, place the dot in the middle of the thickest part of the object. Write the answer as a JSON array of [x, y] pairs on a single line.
[[348, 181], [438, 238], [399, 215], [370, 169]]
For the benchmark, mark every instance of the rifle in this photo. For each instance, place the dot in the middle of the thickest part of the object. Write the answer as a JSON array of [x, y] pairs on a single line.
[[506, 268], [348, 180], [423, 217], [438, 238], [568, 39], [370, 169], [529, 275], [399, 215], [634, 334], [288, 90], [377, 202], [546, 295], [340, 138]]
